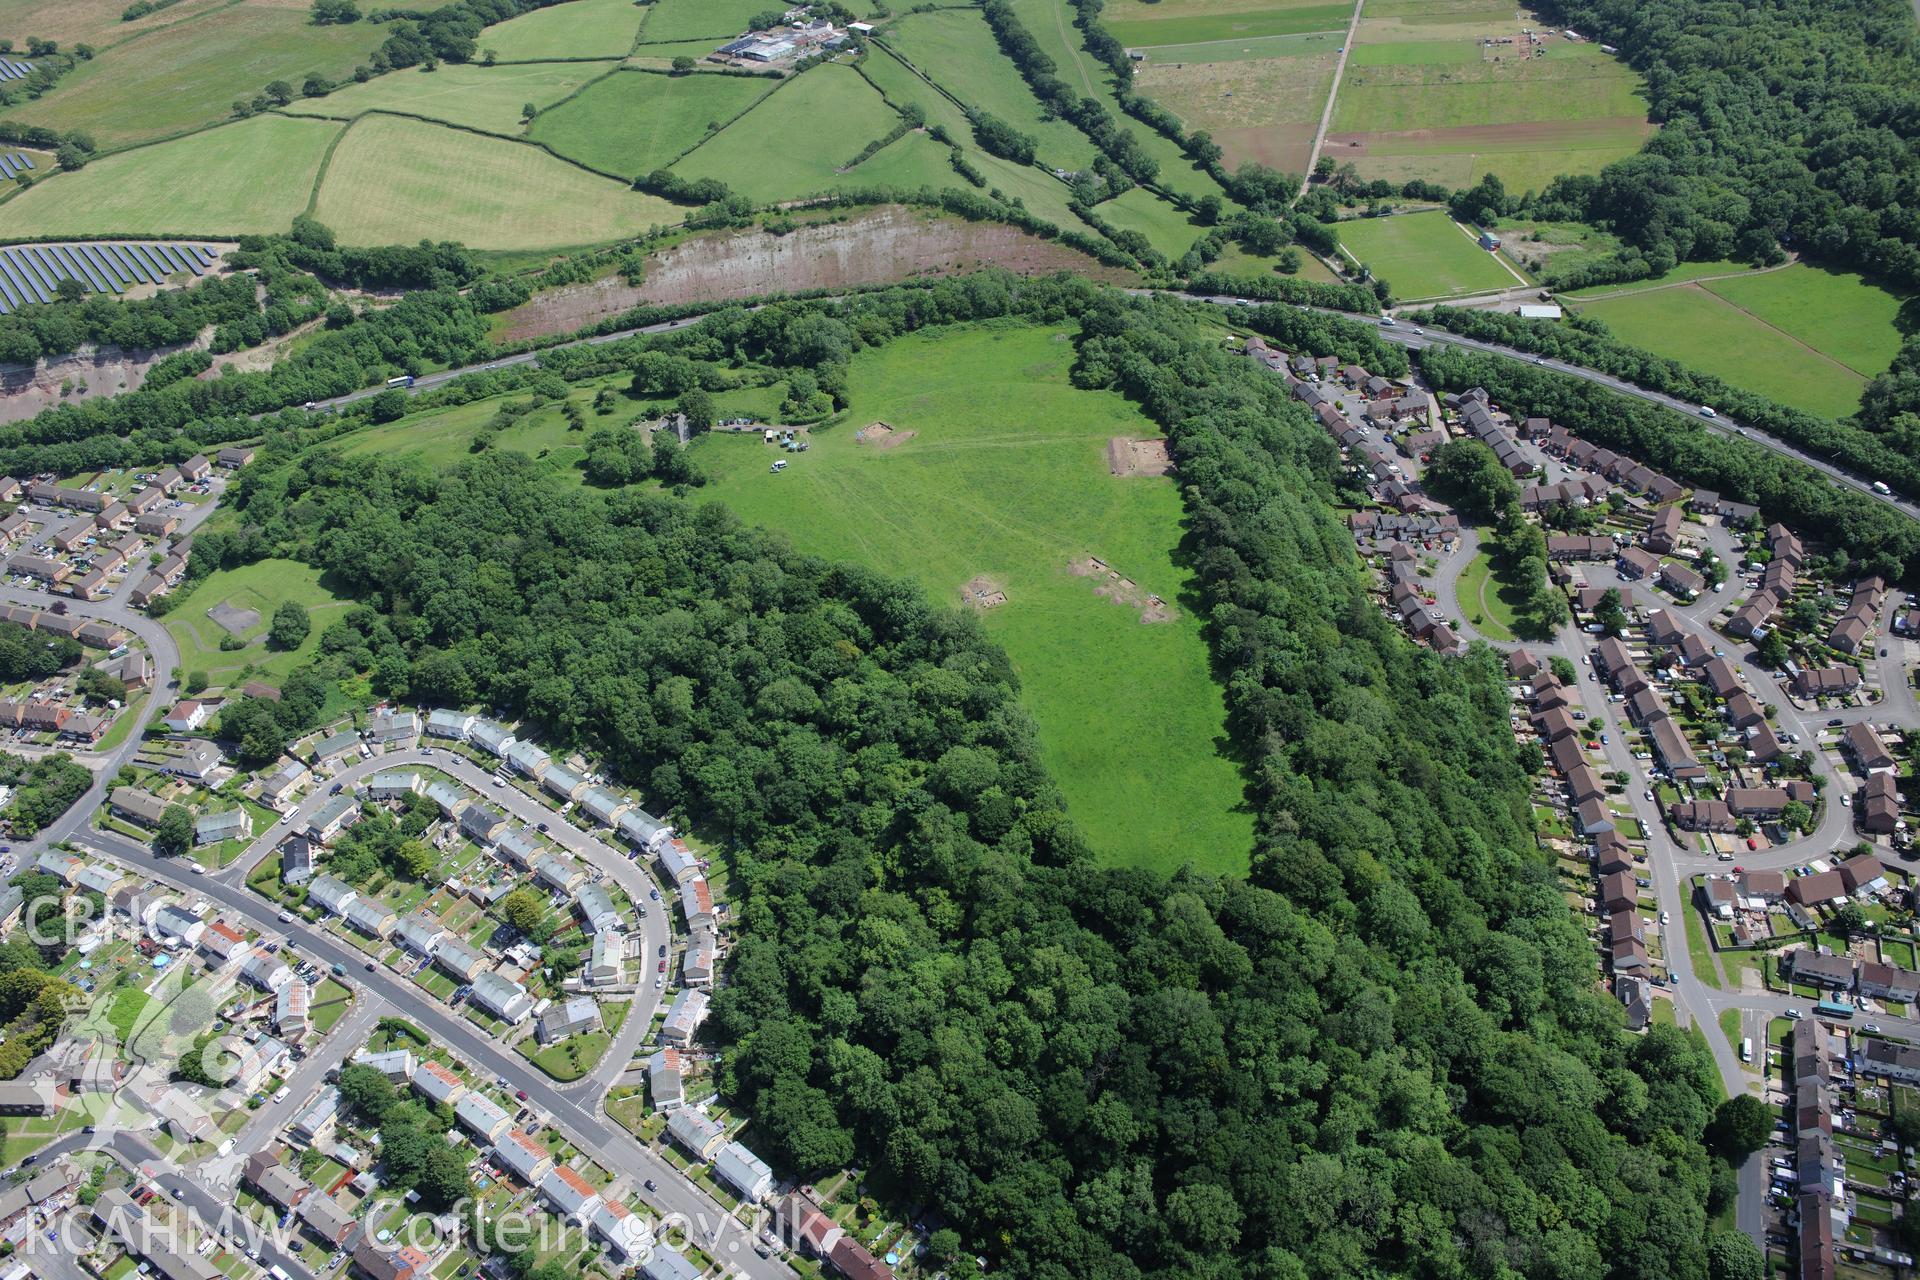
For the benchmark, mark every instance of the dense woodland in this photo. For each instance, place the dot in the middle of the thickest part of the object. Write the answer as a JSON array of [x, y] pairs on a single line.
[[1383, 1052]]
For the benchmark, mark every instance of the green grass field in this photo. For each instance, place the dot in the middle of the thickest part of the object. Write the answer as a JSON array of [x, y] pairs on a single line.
[[253, 176], [1250, 24], [263, 587], [956, 50], [909, 163], [1491, 604], [1007, 478], [187, 75], [488, 98], [1260, 110], [1259, 48], [1685, 272], [95, 22], [393, 180], [698, 19], [1428, 53], [1689, 324], [1404, 96], [577, 29], [1423, 255], [1140, 210], [805, 160], [1838, 312], [638, 121]]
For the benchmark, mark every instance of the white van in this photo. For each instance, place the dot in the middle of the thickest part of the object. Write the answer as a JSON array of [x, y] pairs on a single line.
[[1746, 1049]]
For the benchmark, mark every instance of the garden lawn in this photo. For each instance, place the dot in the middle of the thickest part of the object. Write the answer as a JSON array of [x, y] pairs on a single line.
[[262, 586], [393, 181], [254, 176], [486, 98], [1700, 329], [783, 149], [1837, 312], [1423, 255], [576, 29], [187, 75], [1007, 479], [638, 121]]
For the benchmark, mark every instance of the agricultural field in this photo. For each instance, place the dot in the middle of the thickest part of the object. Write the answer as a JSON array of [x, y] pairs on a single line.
[[186, 75], [393, 180], [908, 164], [1699, 328], [254, 176], [956, 50], [95, 22], [1449, 90], [637, 121], [485, 98], [1424, 255], [765, 157], [698, 19], [256, 589], [1140, 210], [1839, 313], [1260, 110], [577, 29], [996, 477], [1203, 21]]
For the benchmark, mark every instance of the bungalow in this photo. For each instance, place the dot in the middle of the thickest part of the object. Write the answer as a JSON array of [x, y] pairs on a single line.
[[231, 824], [698, 1135], [574, 1016], [1833, 972], [235, 457], [480, 1115]]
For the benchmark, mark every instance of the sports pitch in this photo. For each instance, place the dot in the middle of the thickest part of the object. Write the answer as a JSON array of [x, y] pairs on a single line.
[[1005, 481], [1424, 255]]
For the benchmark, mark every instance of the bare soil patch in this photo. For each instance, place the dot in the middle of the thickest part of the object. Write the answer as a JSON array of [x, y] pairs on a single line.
[[882, 246], [983, 593], [1115, 586], [1129, 457], [879, 435]]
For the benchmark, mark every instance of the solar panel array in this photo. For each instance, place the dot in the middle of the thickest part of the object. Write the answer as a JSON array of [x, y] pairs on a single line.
[[11, 70], [13, 165], [32, 272]]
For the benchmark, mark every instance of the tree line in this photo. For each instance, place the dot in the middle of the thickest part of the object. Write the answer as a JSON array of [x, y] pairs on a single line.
[[1374, 1054]]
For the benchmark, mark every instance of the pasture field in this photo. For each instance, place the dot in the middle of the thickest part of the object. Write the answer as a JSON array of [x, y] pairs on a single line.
[[637, 121], [1685, 273], [661, 56], [1040, 192], [394, 180], [95, 22], [698, 19], [262, 587], [956, 50], [1261, 110], [1006, 479], [254, 176], [1698, 328], [577, 29], [1257, 48], [770, 153], [1401, 96], [1423, 255], [909, 163], [1839, 313], [1199, 26], [1140, 210], [186, 75], [486, 98]]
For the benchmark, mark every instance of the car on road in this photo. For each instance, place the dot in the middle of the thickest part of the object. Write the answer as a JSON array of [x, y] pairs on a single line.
[[1846, 802], [339, 971], [663, 966], [1539, 359], [1883, 653], [1707, 411], [1872, 1027], [654, 894], [1665, 917], [1752, 843], [1794, 1014], [335, 790], [199, 868], [1834, 723], [543, 826], [651, 1185], [520, 1094], [369, 966], [1647, 794], [663, 949], [285, 917]]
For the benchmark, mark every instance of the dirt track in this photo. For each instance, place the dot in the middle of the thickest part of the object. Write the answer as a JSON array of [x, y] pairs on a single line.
[[881, 246]]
